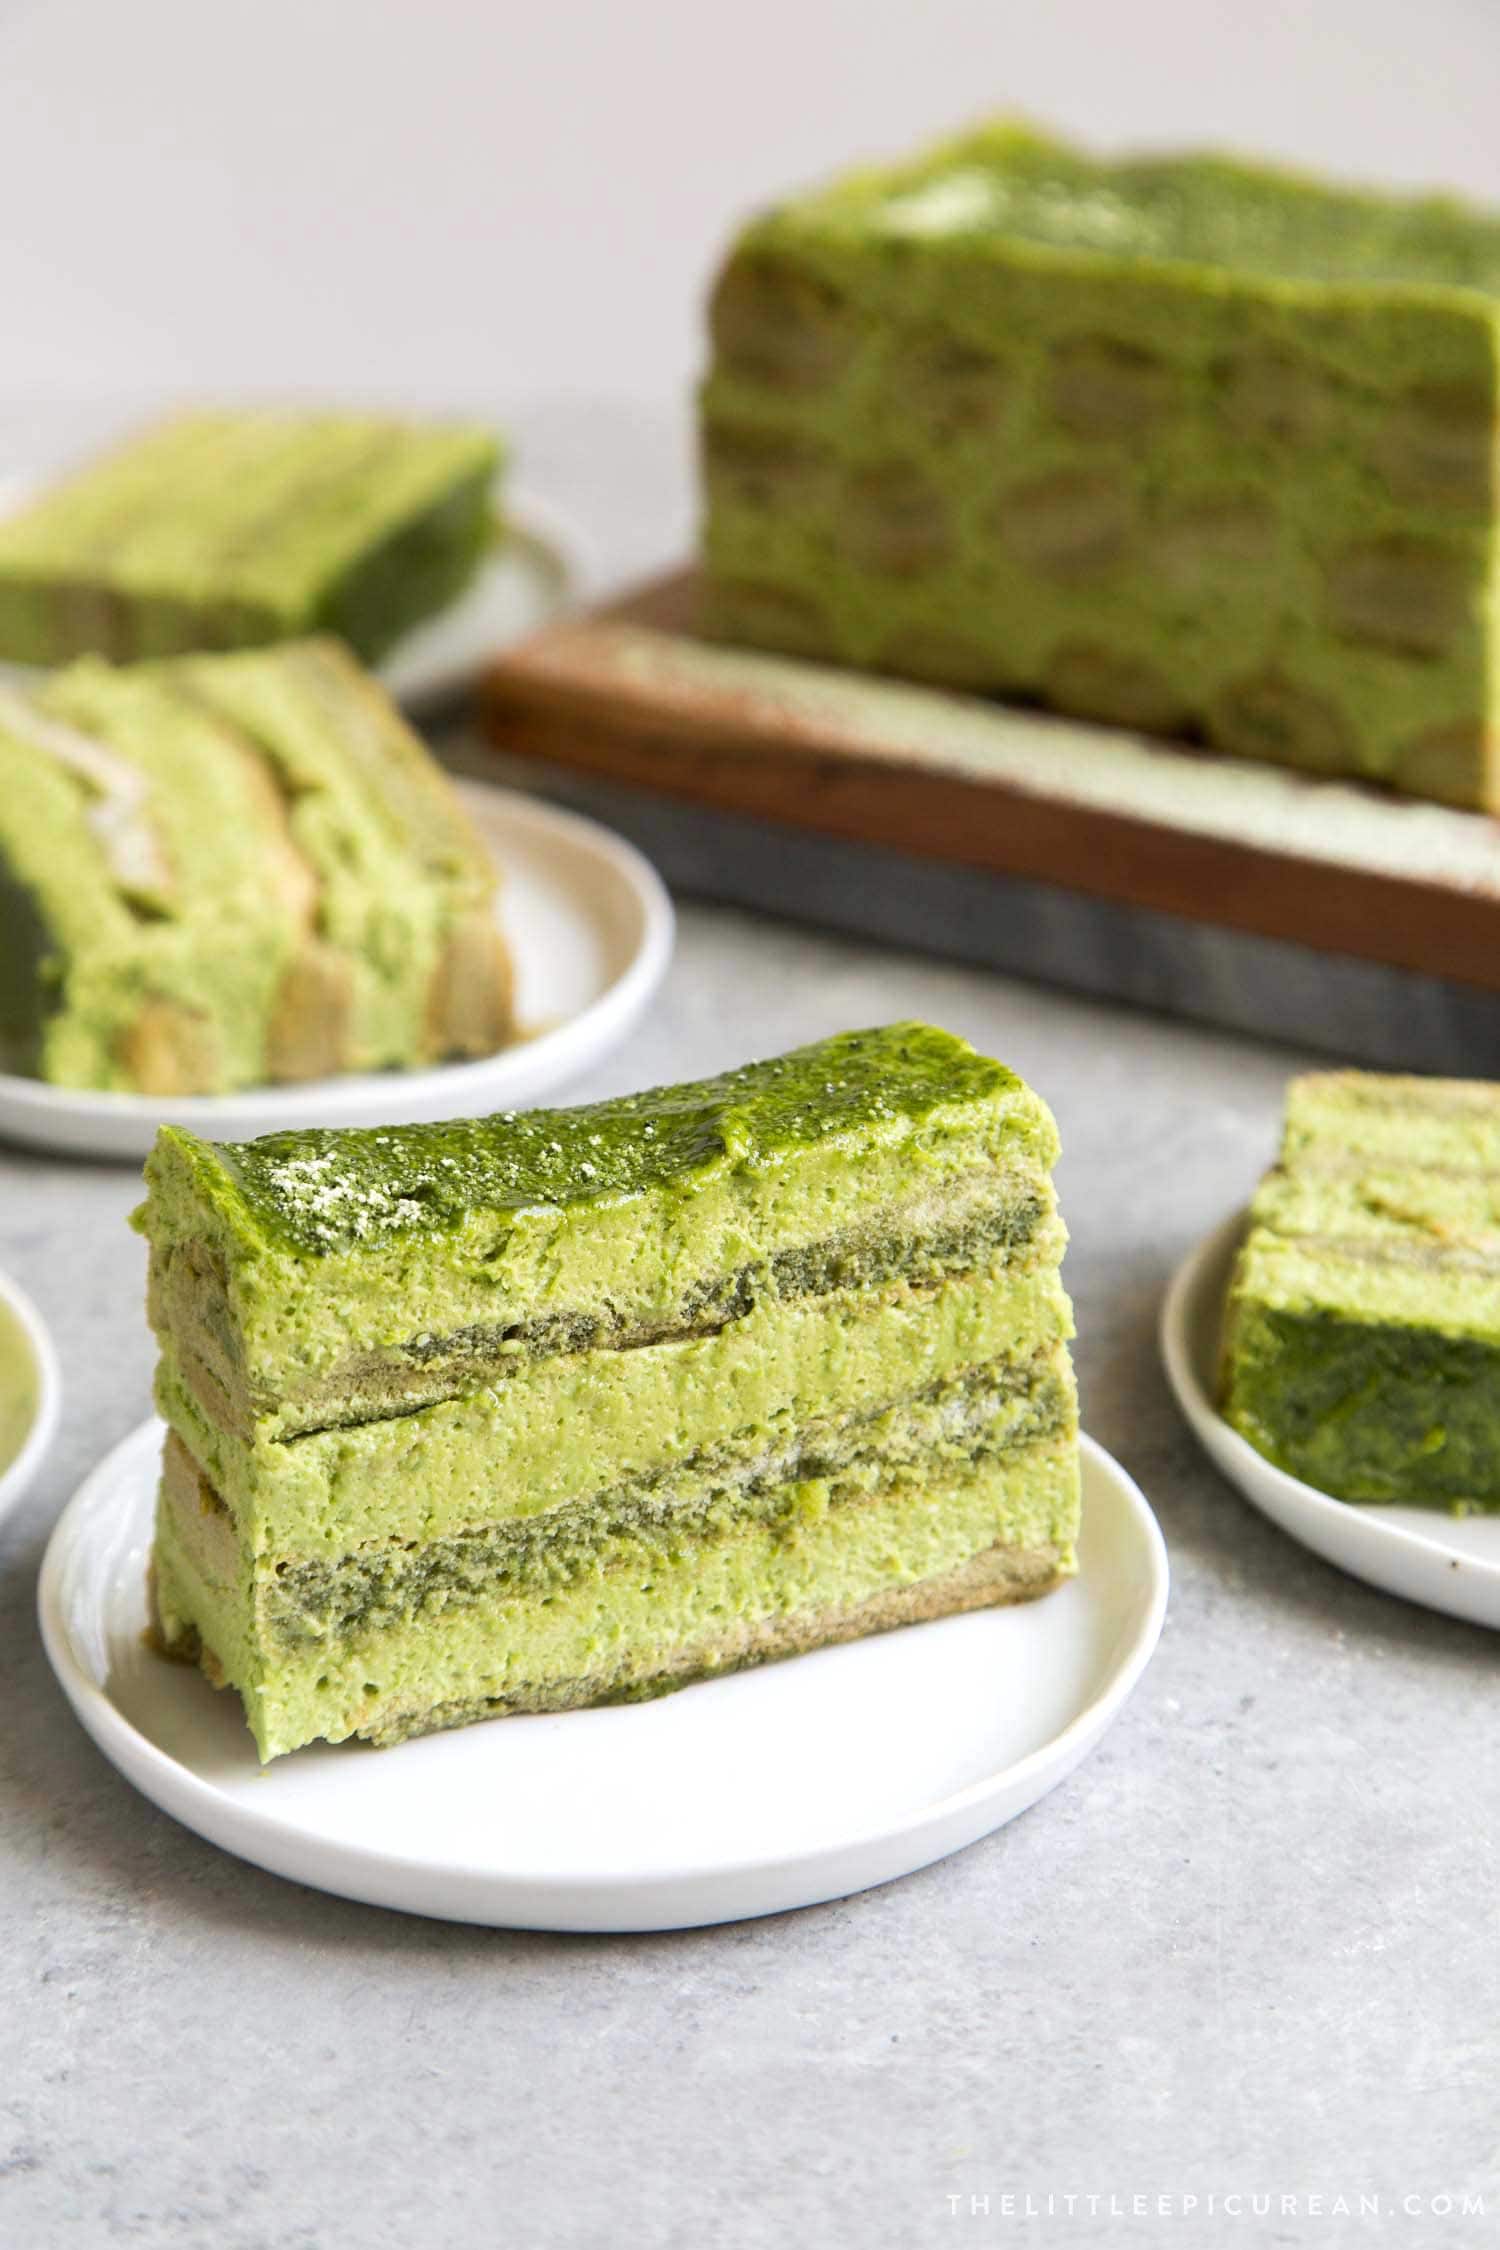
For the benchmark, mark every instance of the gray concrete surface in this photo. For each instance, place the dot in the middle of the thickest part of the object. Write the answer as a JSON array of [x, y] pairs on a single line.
[[1247, 1951]]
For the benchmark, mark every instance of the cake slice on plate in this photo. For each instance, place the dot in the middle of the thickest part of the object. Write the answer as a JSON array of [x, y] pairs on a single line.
[[229, 530], [220, 871], [1362, 1341], [573, 1405]]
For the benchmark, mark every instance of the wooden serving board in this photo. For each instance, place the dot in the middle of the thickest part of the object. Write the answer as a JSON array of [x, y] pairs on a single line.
[[727, 762]]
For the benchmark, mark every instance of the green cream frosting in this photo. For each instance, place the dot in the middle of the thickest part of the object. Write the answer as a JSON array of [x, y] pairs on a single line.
[[1006, 183], [317, 1192], [951, 1426], [572, 1427], [316, 1254], [634, 1618]]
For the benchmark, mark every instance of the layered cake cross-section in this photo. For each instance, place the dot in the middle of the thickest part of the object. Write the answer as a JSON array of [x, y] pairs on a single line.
[[1178, 443], [226, 870], [232, 529], [569, 1406], [1362, 1339]]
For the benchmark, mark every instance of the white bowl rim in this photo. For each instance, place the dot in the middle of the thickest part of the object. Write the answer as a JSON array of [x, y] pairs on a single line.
[[17, 1473]]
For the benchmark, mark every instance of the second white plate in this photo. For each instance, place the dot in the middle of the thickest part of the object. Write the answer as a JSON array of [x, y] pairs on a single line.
[[1450, 1563], [590, 925], [537, 564], [747, 1795]]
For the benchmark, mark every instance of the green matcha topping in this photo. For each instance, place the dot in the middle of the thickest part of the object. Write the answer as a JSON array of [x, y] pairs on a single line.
[[321, 1191], [1207, 211], [333, 1279]]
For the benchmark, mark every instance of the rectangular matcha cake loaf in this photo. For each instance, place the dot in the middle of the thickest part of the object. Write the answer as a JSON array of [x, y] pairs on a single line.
[[569, 1406], [229, 530], [222, 870], [1180, 444], [1362, 1340]]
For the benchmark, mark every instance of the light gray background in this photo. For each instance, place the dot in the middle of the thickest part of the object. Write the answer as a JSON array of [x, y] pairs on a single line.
[[1250, 1947], [452, 197]]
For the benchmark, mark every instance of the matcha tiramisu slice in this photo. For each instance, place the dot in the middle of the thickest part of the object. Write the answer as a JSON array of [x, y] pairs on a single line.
[[1362, 1348], [543, 1410], [221, 871], [1178, 443], [229, 530]]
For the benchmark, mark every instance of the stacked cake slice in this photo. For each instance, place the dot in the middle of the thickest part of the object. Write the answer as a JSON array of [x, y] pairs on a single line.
[[230, 530], [1362, 1346], [549, 1409], [222, 870]]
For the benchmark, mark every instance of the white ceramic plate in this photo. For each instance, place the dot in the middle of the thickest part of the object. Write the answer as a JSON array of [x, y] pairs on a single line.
[[30, 1392], [535, 566], [1450, 1563], [590, 925], [747, 1795]]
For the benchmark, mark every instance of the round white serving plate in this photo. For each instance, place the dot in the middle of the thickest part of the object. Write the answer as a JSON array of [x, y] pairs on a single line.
[[747, 1795], [1450, 1563], [590, 926], [24, 1337], [538, 562]]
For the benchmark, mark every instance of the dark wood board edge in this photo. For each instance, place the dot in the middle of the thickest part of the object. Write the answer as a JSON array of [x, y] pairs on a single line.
[[562, 696]]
